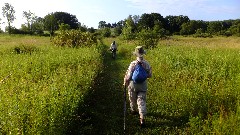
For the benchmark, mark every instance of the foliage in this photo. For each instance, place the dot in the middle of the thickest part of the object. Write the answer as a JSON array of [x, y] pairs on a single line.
[[175, 22], [200, 33], [102, 24], [148, 38], [25, 49], [50, 23], [63, 27], [148, 21], [116, 31], [235, 29], [104, 32], [194, 88], [129, 29], [40, 92], [30, 17], [66, 18], [191, 27], [74, 39], [53, 20], [197, 82], [214, 27], [8, 12]]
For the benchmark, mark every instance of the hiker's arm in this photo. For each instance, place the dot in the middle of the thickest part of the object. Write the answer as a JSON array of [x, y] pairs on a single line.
[[128, 74], [148, 69], [150, 73]]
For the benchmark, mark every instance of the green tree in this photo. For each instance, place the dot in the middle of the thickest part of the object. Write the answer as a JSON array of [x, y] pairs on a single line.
[[82, 27], [214, 27], [189, 28], [235, 28], [66, 18], [148, 38], [129, 29], [63, 27], [31, 18], [38, 26], [53, 20], [50, 23], [148, 21], [9, 13], [91, 30], [117, 31], [102, 24], [174, 23], [105, 32]]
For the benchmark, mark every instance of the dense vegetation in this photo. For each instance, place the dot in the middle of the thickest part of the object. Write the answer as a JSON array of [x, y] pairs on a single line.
[[42, 85], [51, 90], [68, 83], [128, 27]]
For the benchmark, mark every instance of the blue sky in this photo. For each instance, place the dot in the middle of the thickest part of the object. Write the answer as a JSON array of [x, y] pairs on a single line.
[[91, 12]]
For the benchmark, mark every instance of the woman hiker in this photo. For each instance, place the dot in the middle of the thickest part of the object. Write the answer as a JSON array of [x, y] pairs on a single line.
[[137, 90]]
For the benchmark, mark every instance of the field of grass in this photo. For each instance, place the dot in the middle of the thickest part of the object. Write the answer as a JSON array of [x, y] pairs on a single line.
[[49, 90], [41, 85], [195, 86]]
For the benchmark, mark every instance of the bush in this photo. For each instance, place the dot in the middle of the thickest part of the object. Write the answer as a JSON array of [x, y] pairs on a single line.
[[148, 38], [74, 38], [25, 49]]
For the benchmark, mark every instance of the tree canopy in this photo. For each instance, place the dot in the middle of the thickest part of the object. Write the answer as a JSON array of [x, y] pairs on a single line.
[[128, 28], [9, 13]]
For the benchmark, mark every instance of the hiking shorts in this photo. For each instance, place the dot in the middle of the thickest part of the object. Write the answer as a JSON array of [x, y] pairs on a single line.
[[137, 97]]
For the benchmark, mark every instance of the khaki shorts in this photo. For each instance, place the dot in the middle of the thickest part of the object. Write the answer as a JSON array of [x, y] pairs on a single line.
[[137, 97]]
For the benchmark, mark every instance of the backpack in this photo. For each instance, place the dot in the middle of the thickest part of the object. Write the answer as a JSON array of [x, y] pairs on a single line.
[[139, 74]]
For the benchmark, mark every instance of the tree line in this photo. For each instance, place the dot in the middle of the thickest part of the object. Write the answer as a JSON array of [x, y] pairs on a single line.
[[37, 25], [134, 26], [171, 25]]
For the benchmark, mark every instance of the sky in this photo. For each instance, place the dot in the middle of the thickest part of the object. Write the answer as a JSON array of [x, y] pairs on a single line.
[[91, 12]]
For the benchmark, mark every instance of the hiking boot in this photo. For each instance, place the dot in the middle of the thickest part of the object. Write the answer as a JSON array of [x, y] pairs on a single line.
[[142, 123]]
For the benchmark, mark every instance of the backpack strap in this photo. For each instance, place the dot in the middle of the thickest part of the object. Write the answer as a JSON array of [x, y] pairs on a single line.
[[139, 62]]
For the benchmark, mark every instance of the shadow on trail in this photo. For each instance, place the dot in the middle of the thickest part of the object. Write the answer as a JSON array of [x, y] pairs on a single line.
[[102, 109]]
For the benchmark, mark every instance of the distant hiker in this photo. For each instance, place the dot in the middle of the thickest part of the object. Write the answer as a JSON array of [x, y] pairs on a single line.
[[137, 86], [113, 48]]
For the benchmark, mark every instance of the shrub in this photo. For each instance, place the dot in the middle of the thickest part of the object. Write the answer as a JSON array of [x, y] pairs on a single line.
[[148, 38], [26, 49], [74, 39]]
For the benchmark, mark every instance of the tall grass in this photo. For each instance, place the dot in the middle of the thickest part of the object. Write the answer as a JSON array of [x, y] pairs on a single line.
[[42, 86], [194, 88], [197, 84]]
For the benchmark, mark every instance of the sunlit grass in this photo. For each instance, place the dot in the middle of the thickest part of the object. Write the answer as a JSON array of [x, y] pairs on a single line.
[[194, 88], [197, 79], [41, 88]]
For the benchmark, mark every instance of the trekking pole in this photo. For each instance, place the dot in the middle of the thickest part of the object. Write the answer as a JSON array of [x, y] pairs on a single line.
[[124, 119]]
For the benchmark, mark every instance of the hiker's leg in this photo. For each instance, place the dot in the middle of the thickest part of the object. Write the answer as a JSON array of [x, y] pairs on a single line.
[[141, 101], [132, 96]]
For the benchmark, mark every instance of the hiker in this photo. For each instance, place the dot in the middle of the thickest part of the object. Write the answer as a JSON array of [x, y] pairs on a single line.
[[137, 91], [113, 48]]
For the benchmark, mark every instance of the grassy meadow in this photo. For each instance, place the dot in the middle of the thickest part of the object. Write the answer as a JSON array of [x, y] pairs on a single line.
[[195, 86], [41, 85], [49, 90]]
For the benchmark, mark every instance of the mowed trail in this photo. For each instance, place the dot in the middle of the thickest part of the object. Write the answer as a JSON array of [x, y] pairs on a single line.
[[102, 111]]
